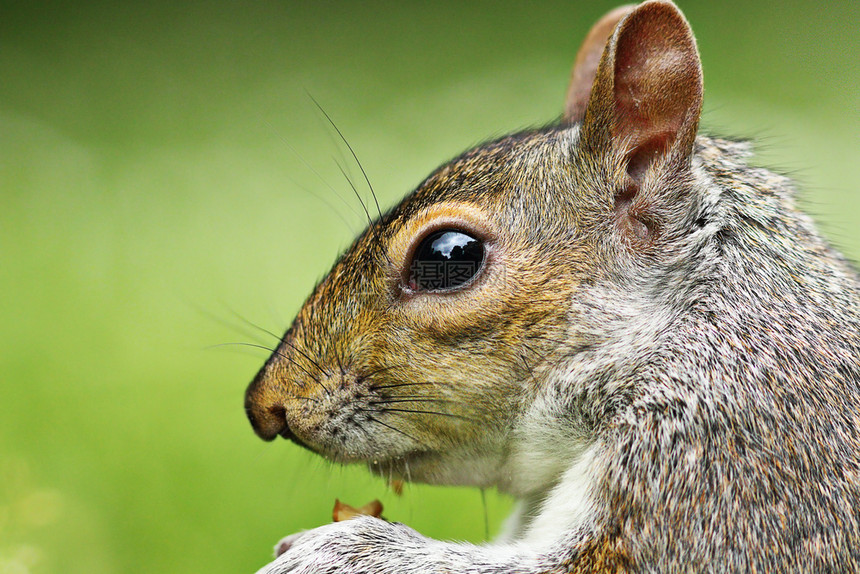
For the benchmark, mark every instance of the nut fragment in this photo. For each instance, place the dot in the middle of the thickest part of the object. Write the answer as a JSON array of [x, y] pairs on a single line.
[[344, 511]]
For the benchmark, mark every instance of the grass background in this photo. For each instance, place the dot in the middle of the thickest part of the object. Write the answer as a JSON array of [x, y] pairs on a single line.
[[164, 177]]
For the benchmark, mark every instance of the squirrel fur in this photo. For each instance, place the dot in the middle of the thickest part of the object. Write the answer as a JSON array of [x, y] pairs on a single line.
[[659, 356]]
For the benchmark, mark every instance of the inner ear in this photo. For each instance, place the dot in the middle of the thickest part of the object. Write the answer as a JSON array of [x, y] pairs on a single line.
[[629, 211], [643, 154]]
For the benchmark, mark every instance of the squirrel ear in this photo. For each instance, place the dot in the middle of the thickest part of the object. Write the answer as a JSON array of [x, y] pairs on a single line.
[[587, 59], [647, 93]]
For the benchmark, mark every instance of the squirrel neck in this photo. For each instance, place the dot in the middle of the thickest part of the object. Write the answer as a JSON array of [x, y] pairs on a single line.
[[704, 313]]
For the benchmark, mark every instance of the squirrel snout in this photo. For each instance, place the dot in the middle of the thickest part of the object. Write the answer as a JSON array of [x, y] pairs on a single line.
[[265, 411]]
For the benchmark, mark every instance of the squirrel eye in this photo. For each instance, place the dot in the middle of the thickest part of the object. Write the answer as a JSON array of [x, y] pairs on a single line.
[[445, 260]]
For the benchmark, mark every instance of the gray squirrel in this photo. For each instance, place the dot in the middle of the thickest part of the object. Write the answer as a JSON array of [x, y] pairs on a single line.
[[615, 320]]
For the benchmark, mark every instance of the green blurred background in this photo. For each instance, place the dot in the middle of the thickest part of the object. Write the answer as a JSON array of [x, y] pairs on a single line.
[[164, 178]]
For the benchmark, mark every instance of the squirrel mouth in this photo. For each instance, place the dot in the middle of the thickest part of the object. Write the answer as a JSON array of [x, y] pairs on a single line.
[[290, 436]]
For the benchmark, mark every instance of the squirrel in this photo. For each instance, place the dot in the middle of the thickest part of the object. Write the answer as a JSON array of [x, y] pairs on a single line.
[[614, 319]]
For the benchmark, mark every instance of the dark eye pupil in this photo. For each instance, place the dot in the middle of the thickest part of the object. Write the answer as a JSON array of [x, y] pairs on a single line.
[[445, 260]]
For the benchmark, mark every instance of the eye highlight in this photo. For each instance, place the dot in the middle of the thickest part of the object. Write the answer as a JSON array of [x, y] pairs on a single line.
[[445, 260]]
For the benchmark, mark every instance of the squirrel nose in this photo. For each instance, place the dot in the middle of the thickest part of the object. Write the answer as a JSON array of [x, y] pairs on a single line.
[[266, 414]]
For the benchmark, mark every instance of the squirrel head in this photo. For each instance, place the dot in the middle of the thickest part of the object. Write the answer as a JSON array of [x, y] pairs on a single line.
[[434, 335]]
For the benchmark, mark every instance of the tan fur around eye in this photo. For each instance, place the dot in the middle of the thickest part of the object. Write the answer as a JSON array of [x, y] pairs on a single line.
[[455, 215]]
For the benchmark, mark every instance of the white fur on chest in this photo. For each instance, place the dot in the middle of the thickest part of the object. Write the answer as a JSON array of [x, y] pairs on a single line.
[[567, 507]]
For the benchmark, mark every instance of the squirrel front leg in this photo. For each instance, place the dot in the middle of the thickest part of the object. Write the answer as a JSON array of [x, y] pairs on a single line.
[[367, 545]]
